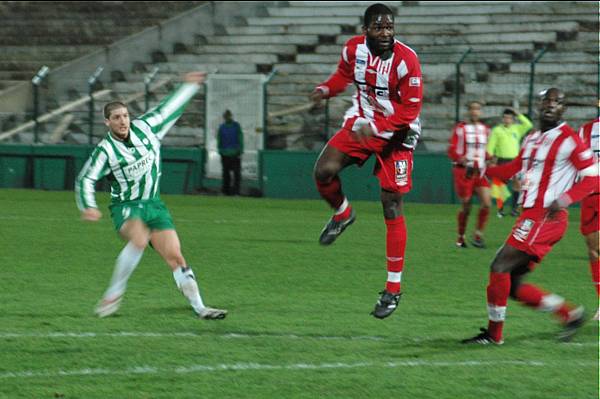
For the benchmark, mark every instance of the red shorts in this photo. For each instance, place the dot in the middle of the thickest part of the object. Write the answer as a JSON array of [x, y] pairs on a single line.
[[394, 163], [464, 186], [589, 214], [535, 234]]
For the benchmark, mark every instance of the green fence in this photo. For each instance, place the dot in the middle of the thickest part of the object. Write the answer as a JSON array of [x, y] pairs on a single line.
[[56, 167], [289, 175], [285, 174]]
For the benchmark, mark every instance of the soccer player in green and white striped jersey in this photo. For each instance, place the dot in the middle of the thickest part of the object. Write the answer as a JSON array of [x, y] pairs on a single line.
[[130, 155]]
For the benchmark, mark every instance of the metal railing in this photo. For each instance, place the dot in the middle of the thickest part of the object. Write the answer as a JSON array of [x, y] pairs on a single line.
[[91, 105], [532, 79], [36, 82]]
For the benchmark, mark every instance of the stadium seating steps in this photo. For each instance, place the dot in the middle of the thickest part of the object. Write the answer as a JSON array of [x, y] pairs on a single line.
[[302, 42]]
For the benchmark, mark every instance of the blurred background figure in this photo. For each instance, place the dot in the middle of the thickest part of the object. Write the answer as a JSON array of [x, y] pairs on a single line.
[[230, 141], [503, 146]]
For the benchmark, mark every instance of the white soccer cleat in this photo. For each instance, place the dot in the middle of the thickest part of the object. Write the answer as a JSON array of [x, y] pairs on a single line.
[[106, 307], [212, 314], [597, 316]]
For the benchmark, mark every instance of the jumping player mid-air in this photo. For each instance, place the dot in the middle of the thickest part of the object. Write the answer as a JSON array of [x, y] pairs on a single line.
[[130, 156], [383, 120]]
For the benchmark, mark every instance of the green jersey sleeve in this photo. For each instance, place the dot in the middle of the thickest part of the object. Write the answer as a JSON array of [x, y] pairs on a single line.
[[164, 115], [94, 169], [524, 126]]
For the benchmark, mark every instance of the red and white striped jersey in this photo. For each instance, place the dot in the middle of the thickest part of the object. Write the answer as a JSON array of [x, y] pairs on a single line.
[[389, 92], [469, 140], [590, 135], [549, 163]]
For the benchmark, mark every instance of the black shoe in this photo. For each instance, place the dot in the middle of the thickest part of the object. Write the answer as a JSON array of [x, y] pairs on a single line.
[[460, 243], [386, 304], [333, 229], [483, 339], [478, 242], [570, 329], [500, 214], [514, 213]]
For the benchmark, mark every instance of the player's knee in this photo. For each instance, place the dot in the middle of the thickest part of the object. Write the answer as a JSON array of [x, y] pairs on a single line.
[[323, 173], [593, 254]]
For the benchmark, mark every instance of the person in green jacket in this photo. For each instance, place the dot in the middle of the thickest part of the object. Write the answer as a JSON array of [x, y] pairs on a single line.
[[230, 141], [503, 146]]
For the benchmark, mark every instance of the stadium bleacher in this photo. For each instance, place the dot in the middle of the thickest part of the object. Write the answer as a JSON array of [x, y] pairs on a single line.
[[302, 42]]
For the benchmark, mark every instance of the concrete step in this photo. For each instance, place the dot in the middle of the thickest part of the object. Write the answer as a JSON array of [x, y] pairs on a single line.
[[341, 10], [414, 40], [263, 40], [281, 30], [224, 58], [464, 28], [285, 78], [222, 68], [289, 21], [246, 49], [494, 19], [557, 79], [554, 67], [452, 51]]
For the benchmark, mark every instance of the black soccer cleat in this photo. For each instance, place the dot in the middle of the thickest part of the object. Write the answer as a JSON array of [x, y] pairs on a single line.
[[571, 328], [386, 304], [333, 229], [482, 339], [460, 243], [478, 242]]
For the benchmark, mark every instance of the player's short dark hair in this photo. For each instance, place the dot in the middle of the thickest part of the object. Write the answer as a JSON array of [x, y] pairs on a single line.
[[470, 103], [509, 111], [376, 9], [110, 107]]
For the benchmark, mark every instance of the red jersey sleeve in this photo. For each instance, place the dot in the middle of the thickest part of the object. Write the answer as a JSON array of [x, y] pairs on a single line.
[[410, 92], [505, 171], [453, 143], [583, 159], [344, 74]]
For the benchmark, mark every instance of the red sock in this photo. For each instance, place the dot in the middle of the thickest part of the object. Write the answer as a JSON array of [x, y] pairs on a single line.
[[395, 246], [482, 218], [331, 192], [499, 203], [535, 297], [497, 297], [595, 269], [462, 223]]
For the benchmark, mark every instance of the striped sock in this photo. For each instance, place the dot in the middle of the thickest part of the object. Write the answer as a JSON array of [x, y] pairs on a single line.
[[395, 247], [498, 291]]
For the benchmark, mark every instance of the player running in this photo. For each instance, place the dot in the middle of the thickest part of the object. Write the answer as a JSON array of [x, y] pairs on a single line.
[[382, 121], [590, 225], [550, 160], [467, 150], [130, 156]]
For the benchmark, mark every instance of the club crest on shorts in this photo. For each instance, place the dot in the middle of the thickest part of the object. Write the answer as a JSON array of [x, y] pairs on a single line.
[[522, 232], [401, 172]]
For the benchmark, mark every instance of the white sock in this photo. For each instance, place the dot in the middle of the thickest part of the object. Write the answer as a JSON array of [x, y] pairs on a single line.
[[186, 282], [342, 207], [128, 259]]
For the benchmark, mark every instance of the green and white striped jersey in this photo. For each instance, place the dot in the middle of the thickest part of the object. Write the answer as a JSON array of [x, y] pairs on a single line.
[[135, 165]]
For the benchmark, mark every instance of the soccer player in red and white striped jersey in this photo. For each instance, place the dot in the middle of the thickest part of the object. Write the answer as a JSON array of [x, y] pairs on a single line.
[[383, 120], [590, 206], [550, 160], [467, 150]]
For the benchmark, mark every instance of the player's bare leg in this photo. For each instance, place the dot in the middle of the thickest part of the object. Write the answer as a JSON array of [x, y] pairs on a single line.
[[330, 162], [593, 246], [395, 247], [168, 246], [136, 234], [485, 199]]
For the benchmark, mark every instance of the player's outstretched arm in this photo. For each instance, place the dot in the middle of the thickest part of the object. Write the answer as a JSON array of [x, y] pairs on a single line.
[[162, 117]]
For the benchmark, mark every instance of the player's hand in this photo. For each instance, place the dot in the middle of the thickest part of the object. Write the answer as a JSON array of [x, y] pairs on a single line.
[[553, 209], [317, 96], [195, 77], [91, 214]]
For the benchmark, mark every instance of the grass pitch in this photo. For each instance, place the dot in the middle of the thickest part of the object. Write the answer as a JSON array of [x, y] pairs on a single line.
[[299, 323]]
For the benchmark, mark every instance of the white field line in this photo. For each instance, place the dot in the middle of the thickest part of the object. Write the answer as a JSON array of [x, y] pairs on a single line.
[[141, 370], [150, 334]]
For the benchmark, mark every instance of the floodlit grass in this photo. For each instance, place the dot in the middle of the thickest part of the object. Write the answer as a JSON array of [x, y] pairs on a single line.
[[299, 323]]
